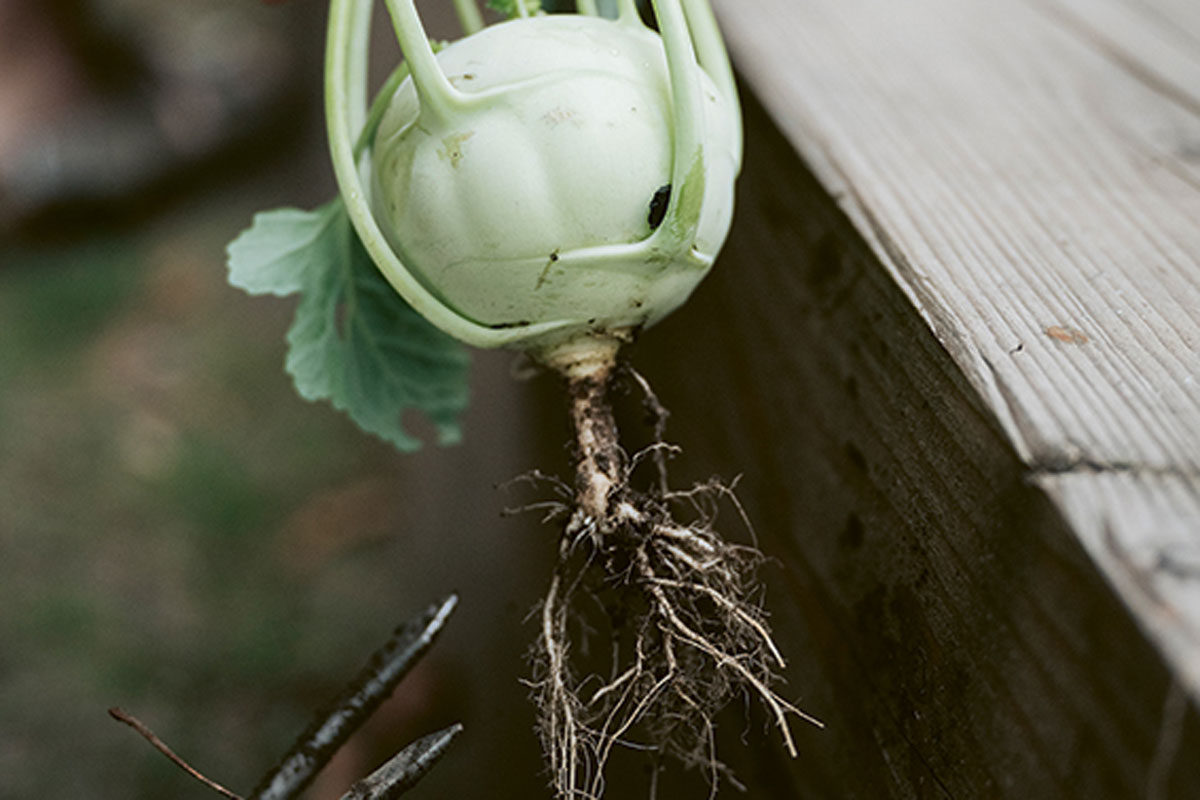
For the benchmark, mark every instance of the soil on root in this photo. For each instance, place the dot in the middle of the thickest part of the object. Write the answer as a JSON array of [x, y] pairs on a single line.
[[683, 609]]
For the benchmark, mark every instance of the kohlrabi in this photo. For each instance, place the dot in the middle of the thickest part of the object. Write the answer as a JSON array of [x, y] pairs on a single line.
[[559, 184], [545, 180], [551, 183]]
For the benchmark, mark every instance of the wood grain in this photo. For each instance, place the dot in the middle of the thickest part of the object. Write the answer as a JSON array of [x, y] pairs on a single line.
[[1142, 530], [1014, 177], [958, 367], [939, 611], [1028, 174]]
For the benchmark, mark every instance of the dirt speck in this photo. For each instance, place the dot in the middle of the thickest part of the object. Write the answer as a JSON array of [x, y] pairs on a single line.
[[559, 115], [451, 149], [1067, 335], [658, 206], [550, 262]]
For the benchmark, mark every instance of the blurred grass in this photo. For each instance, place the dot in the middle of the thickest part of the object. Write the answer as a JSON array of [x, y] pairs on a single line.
[[183, 536], [131, 517]]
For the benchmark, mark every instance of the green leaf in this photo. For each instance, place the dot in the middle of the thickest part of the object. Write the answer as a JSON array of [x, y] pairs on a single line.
[[283, 251], [509, 7], [354, 341]]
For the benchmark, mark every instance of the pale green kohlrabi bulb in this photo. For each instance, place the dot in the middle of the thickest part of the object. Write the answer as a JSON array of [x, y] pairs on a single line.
[[558, 176]]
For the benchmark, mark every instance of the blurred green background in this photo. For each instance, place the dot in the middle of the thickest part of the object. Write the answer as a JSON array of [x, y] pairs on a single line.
[[183, 536]]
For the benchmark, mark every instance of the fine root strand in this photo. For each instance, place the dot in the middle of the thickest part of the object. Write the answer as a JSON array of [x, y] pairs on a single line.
[[680, 605]]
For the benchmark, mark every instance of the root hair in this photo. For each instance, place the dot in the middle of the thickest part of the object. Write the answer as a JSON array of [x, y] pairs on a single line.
[[683, 608]]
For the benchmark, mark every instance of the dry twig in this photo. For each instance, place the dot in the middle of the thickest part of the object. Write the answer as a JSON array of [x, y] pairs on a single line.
[[317, 745], [120, 715]]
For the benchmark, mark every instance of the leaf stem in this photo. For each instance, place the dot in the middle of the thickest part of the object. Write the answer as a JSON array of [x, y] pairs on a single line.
[[687, 171], [345, 79], [437, 95], [468, 16], [714, 58], [378, 108], [586, 7]]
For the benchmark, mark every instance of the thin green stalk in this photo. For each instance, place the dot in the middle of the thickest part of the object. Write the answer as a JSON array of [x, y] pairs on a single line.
[[346, 79], [468, 16], [378, 108], [687, 172], [356, 87], [433, 88], [714, 58], [627, 10], [587, 7]]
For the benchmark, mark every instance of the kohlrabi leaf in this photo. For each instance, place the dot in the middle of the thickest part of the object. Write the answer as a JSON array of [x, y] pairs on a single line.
[[282, 252], [354, 341]]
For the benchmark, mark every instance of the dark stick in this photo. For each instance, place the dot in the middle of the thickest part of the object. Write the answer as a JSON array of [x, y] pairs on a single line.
[[123, 716], [401, 772], [374, 684]]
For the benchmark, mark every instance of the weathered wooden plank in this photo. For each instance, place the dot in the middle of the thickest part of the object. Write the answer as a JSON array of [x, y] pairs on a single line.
[[1142, 529], [957, 363], [938, 610], [1158, 43], [1014, 178], [1027, 173]]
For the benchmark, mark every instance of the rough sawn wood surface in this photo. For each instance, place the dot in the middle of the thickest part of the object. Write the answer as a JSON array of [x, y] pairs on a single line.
[[1011, 191]]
